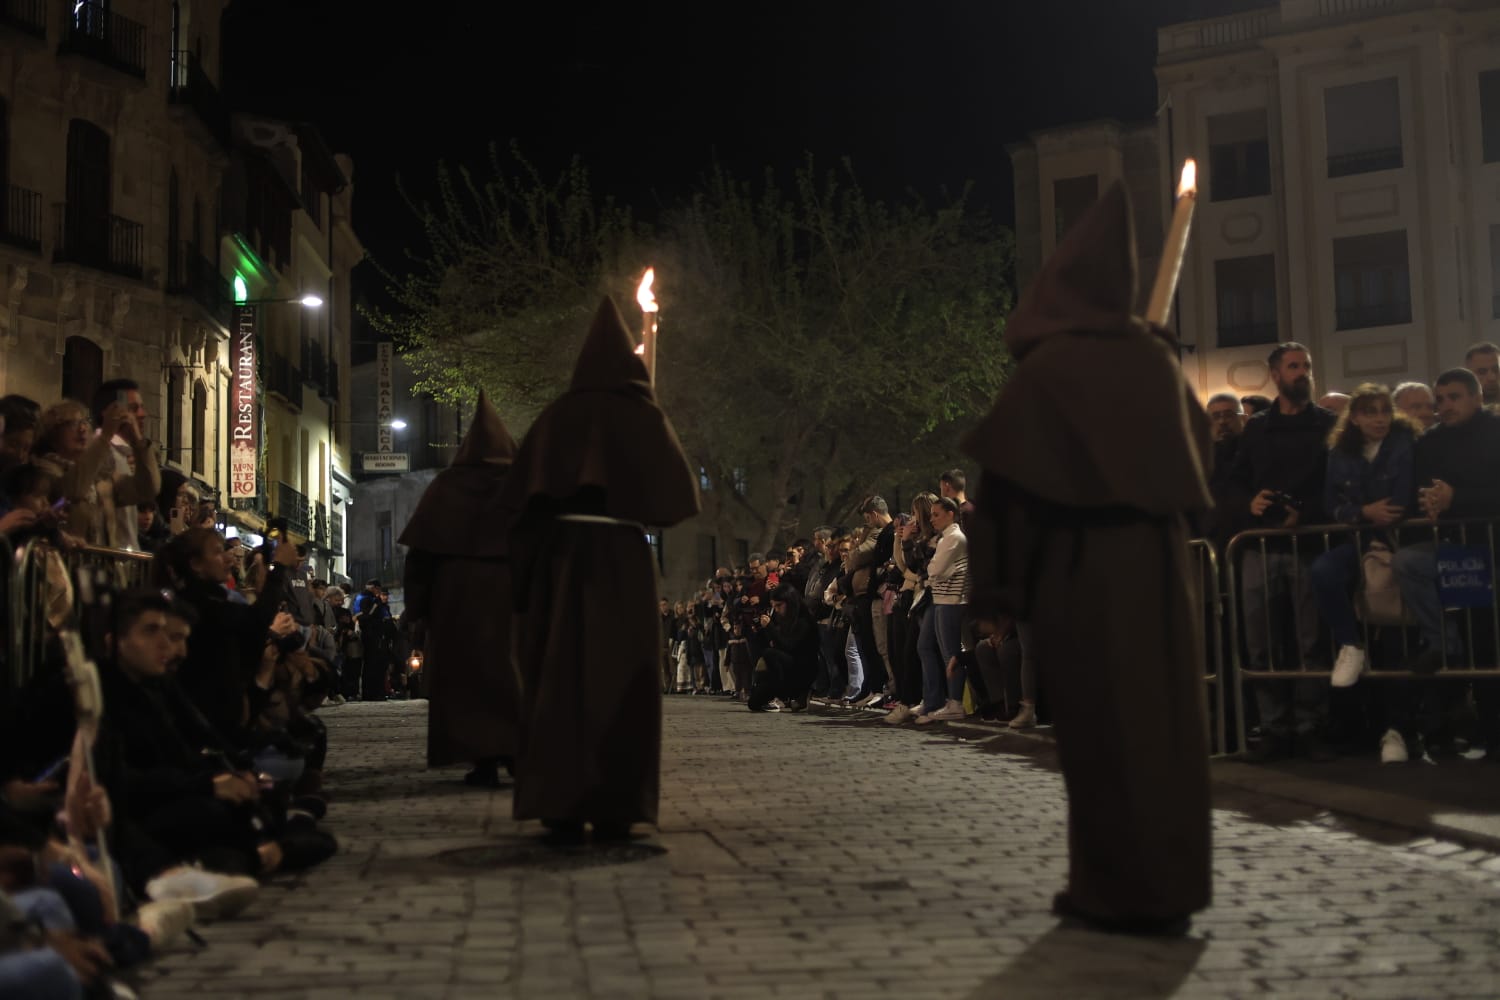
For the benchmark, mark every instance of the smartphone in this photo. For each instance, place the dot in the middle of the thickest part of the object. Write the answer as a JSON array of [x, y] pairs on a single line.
[[60, 506], [122, 396], [175, 521], [51, 771]]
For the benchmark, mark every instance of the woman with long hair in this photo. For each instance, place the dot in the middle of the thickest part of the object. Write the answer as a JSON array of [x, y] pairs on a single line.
[[915, 539], [1370, 483]]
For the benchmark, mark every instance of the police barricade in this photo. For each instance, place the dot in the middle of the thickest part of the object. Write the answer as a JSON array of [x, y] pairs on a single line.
[[1211, 600], [44, 582], [1276, 631]]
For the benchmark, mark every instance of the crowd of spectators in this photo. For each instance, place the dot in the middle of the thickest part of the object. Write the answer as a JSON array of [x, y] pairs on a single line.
[[160, 751]]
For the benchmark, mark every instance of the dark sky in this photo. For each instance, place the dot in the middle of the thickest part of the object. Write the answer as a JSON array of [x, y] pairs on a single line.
[[920, 96]]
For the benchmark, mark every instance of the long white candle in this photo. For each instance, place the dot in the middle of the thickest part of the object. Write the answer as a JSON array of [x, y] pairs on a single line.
[[1176, 247], [649, 314]]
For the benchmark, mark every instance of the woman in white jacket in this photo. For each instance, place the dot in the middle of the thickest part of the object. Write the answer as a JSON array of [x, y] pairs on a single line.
[[940, 642]]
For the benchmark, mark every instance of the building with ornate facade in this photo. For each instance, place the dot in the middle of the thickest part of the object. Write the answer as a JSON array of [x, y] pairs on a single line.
[[134, 206], [1349, 155]]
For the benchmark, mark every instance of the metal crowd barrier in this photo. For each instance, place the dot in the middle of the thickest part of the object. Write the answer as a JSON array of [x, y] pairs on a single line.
[[1211, 601], [29, 592], [1480, 626]]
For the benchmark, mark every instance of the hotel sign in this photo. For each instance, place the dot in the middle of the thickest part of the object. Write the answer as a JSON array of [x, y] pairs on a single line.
[[385, 398], [244, 420]]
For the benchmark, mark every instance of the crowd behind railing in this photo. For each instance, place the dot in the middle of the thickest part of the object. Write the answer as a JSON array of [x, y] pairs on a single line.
[[159, 742], [162, 753], [1351, 537]]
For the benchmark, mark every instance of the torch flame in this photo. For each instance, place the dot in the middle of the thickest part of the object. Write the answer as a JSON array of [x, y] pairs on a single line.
[[1189, 183], [640, 349], [643, 294]]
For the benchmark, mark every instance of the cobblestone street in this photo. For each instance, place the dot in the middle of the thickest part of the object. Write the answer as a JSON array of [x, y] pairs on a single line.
[[823, 856]]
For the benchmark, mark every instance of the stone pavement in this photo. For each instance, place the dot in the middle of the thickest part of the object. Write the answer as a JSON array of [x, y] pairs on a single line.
[[823, 856]]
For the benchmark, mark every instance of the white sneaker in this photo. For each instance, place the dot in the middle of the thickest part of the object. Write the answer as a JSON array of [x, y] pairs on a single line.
[[898, 715], [1393, 748], [164, 923], [213, 896], [1348, 667], [952, 710]]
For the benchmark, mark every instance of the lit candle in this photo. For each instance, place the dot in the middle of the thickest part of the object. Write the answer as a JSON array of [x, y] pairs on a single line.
[[1176, 248], [649, 314]]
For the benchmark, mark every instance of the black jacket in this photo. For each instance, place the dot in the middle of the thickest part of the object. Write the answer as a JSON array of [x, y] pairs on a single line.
[[795, 634], [1288, 454], [224, 650], [1467, 458]]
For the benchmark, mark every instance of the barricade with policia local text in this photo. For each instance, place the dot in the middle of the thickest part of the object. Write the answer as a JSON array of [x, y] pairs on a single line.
[[43, 582], [1276, 630]]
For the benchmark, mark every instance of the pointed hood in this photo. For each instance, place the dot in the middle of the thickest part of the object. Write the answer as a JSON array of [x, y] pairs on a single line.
[[607, 432], [461, 500], [487, 440], [1088, 283], [608, 359], [1097, 412]]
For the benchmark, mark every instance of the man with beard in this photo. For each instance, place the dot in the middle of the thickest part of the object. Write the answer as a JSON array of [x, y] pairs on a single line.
[[1280, 467], [456, 578], [598, 464], [1079, 533]]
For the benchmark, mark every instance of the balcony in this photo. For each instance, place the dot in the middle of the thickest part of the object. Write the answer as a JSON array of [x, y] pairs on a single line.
[[194, 276], [28, 16], [294, 507], [314, 364], [283, 379], [102, 241], [329, 393], [1196, 39], [21, 224], [193, 92], [106, 37], [1365, 316], [320, 524], [336, 532]]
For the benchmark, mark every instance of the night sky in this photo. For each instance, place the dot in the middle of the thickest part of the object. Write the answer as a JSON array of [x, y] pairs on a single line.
[[922, 97]]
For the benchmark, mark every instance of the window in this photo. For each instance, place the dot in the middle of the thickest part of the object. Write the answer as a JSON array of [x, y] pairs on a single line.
[[1364, 127], [741, 482], [175, 269], [1071, 197], [742, 552], [1246, 291], [387, 550], [708, 555], [86, 222], [705, 481], [654, 539], [1372, 286], [1489, 114], [1495, 271], [174, 414], [83, 369], [1239, 156], [200, 423]]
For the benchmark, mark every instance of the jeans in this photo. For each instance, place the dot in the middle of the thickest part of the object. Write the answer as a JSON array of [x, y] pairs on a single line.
[[1333, 574], [1293, 705], [1415, 567], [872, 662], [938, 642], [856, 666], [42, 974]]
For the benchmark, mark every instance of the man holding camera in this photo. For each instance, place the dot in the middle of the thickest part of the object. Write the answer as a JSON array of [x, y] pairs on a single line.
[[1280, 468]]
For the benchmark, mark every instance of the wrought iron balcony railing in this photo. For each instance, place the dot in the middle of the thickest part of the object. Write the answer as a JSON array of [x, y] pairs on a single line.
[[104, 36], [191, 274], [99, 240], [192, 89], [293, 506], [29, 16], [21, 223]]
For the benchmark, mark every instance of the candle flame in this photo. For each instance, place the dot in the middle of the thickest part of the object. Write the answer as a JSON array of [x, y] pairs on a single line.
[[640, 349], [644, 295], [1189, 183]]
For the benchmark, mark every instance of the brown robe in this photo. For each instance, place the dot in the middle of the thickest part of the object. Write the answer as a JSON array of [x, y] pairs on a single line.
[[458, 587], [600, 464], [1092, 455]]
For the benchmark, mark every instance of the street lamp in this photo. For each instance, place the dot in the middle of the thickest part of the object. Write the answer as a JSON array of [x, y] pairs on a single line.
[[398, 424]]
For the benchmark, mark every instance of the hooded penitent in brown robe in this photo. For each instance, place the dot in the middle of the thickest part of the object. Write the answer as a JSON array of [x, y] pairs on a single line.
[[600, 464], [458, 588], [1092, 454]]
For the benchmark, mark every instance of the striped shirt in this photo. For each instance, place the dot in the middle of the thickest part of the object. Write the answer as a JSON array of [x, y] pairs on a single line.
[[948, 569]]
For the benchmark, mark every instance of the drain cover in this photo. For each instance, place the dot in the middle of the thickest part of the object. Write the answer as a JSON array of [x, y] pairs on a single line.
[[536, 855]]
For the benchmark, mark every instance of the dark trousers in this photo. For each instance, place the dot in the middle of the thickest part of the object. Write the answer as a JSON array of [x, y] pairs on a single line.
[[831, 639], [377, 666], [906, 667], [869, 653], [208, 830]]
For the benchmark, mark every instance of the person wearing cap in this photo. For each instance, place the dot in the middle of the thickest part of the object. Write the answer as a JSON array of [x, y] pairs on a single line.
[[1080, 533], [600, 463], [455, 579]]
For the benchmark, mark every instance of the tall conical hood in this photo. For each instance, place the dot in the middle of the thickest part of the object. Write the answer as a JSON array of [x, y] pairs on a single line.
[[487, 441], [607, 433], [608, 359], [1089, 282], [452, 517]]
